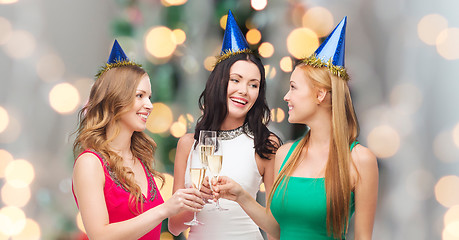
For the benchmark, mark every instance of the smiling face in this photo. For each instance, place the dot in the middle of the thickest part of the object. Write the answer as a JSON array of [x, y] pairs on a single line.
[[301, 98], [135, 118], [243, 88]]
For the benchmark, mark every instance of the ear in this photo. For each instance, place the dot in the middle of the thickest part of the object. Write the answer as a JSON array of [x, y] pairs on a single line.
[[321, 94]]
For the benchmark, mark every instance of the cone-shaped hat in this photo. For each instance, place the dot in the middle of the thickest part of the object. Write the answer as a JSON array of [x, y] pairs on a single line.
[[234, 41], [331, 52], [117, 58]]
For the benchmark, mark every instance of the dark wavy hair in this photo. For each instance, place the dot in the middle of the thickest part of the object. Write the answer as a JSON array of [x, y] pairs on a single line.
[[213, 104]]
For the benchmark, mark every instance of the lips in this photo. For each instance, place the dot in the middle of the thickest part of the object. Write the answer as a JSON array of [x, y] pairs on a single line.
[[239, 101], [143, 116]]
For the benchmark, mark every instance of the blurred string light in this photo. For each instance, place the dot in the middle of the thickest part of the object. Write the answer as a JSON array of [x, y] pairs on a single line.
[[178, 129], [406, 98], [384, 141], [302, 42], [178, 36], [20, 45], [444, 147], [456, 135], [168, 3], [258, 5], [253, 36], [286, 64], [4, 119], [430, 26], [223, 21], [262, 187], [50, 68], [166, 236], [14, 196], [266, 50], [446, 191], [277, 115], [270, 72], [160, 42], [318, 19], [447, 45], [19, 173], [5, 159], [160, 118], [452, 215], [166, 190], [5, 30], [31, 231], [12, 220], [186, 119], [8, 1], [451, 231], [64, 98], [209, 63]]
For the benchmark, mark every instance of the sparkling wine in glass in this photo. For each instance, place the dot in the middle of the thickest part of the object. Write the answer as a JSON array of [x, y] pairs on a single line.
[[197, 176], [207, 143], [215, 166]]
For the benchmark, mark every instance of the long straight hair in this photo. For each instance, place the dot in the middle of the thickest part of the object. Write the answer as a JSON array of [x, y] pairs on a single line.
[[345, 130], [113, 94], [213, 104]]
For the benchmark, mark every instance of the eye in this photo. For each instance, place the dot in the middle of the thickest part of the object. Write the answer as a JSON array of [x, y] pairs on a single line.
[[234, 80], [140, 95], [254, 85], [149, 97]]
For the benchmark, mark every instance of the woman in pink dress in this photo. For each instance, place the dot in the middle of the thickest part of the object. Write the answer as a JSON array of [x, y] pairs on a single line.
[[114, 178]]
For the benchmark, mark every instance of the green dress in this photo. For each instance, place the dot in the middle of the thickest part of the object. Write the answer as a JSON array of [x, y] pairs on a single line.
[[302, 211]]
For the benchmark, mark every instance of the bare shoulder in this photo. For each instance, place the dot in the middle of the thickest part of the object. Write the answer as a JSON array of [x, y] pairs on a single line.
[[89, 162], [185, 142], [280, 155], [88, 170], [364, 158]]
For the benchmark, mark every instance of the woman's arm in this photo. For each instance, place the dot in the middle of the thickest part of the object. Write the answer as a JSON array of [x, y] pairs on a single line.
[[88, 182], [366, 192]]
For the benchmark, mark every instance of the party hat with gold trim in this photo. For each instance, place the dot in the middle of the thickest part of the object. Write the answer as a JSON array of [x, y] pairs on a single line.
[[330, 53], [117, 58], [234, 41]]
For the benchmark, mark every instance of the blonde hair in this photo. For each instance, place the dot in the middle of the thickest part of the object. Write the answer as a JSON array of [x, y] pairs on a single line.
[[112, 95], [345, 130]]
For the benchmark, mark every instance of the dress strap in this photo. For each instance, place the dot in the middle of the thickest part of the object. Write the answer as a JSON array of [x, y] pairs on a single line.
[[353, 144], [290, 151]]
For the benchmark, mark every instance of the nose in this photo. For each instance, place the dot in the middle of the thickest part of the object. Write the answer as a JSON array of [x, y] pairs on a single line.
[[148, 105], [287, 96], [242, 89]]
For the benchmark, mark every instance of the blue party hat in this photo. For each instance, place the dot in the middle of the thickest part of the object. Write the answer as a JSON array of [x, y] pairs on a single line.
[[234, 41], [117, 58], [330, 53]]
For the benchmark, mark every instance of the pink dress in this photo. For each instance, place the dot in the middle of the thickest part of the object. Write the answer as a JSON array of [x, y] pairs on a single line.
[[117, 199]]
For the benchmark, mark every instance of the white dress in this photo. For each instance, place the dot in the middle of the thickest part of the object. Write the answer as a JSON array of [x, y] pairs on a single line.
[[239, 164]]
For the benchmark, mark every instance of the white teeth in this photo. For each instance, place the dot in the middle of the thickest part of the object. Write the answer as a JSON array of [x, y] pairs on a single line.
[[290, 107], [143, 116], [239, 101]]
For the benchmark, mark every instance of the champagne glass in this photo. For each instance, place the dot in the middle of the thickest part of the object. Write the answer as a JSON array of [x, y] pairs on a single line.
[[215, 166], [207, 143], [197, 174]]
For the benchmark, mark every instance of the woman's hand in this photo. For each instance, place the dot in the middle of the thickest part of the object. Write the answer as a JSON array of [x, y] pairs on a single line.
[[227, 188], [206, 190], [188, 199]]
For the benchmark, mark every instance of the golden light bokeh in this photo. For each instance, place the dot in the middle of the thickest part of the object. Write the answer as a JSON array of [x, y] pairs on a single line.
[[452, 230], [384, 141], [168, 3], [186, 119], [64, 98], [160, 42], [12, 220], [4, 119], [172, 154], [20, 45], [452, 215], [166, 190], [166, 236], [50, 68], [178, 129], [160, 118], [262, 187], [19, 173], [209, 63], [277, 115], [5, 30], [8, 1], [13, 196], [253, 36], [270, 72], [430, 26], [302, 42], [446, 235], [79, 222], [447, 45], [446, 191], [286, 64], [223, 21], [179, 36], [31, 231], [258, 5], [406, 98], [319, 20], [444, 147], [5, 159], [266, 50], [455, 135]]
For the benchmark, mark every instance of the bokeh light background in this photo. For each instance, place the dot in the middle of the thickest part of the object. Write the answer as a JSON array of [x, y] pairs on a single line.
[[402, 56]]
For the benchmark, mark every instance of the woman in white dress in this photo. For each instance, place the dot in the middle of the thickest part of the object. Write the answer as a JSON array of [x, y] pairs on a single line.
[[233, 104]]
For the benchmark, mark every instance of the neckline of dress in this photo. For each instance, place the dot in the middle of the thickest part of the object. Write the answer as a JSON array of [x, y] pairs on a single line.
[[234, 133]]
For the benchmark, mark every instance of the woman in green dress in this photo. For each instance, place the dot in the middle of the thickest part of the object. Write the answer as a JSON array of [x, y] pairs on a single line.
[[326, 177]]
